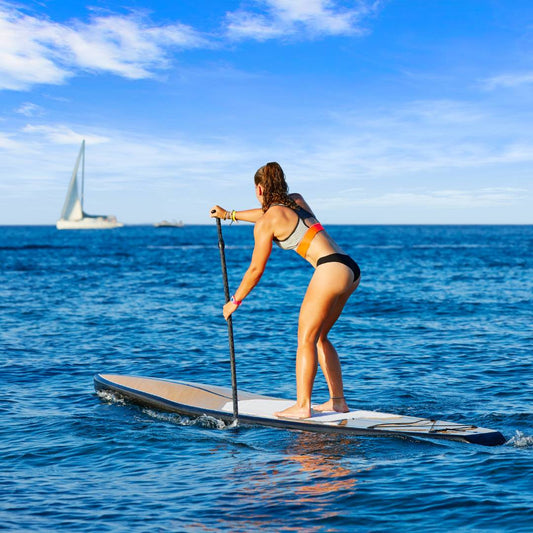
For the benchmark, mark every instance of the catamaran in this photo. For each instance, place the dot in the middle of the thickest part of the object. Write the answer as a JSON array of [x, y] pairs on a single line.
[[73, 216]]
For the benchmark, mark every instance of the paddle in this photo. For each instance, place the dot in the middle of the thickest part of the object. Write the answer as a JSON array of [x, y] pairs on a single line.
[[221, 246]]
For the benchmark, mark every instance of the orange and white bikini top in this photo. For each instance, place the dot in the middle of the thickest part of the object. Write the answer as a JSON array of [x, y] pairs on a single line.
[[302, 235]]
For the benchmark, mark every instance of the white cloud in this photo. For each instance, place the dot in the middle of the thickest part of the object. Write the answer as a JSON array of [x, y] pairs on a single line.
[[63, 135], [509, 80], [40, 51], [458, 199], [7, 143], [123, 157], [126, 46], [282, 18], [441, 112], [24, 58], [29, 110], [36, 51], [423, 157], [413, 141]]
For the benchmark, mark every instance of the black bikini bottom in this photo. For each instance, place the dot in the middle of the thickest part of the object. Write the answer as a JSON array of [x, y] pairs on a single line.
[[345, 260]]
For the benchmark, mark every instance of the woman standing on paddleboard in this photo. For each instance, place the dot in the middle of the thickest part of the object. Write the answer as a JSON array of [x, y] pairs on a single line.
[[287, 220]]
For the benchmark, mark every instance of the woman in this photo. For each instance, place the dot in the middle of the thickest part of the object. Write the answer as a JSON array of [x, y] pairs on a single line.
[[287, 220]]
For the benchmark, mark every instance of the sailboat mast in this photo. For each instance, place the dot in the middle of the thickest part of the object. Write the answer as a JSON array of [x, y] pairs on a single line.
[[82, 171]]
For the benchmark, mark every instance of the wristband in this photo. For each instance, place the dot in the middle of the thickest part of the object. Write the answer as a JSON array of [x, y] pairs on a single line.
[[235, 302], [233, 216]]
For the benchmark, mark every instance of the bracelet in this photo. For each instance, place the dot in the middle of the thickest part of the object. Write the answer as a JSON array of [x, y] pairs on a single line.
[[235, 302], [230, 215]]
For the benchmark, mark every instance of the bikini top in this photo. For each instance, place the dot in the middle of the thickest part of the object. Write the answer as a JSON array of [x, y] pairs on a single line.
[[302, 235]]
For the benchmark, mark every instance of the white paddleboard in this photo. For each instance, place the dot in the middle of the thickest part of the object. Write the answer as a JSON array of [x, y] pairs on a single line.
[[195, 399]]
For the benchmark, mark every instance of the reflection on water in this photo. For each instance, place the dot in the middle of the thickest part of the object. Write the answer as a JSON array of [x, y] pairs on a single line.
[[310, 471], [320, 457]]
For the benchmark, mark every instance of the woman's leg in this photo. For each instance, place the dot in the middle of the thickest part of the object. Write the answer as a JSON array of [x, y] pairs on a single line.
[[329, 359], [328, 286]]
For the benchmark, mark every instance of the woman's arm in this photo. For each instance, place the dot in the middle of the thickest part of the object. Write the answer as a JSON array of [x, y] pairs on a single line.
[[299, 199], [249, 215], [263, 236]]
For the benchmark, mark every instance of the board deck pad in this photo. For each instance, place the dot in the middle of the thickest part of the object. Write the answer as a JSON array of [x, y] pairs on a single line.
[[196, 399]]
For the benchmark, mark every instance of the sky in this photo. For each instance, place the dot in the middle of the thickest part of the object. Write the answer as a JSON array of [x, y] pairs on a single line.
[[379, 111]]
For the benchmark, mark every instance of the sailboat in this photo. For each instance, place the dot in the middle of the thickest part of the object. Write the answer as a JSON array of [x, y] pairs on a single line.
[[73, 216]]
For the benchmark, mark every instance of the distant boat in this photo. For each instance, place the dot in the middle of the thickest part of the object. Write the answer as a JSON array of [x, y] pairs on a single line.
[[73, 216], [167, 224]]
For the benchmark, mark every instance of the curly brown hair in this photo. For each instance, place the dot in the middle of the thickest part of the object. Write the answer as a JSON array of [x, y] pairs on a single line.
[[275, 189]]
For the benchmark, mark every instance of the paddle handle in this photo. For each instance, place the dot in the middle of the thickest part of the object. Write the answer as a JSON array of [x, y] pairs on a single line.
[[221, 247]]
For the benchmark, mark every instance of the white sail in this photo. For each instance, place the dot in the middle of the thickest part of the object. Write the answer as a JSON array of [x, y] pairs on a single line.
[[72, 209], [72, 215]]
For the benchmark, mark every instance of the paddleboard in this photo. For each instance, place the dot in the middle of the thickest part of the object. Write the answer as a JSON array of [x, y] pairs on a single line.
[[196, 399]]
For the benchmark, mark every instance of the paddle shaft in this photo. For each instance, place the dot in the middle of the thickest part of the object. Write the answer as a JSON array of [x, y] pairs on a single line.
[[221, 247]]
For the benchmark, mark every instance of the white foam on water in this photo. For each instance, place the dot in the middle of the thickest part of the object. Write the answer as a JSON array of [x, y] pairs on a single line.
[[174, 418], [110, 397], [519, 440], [180, 420]]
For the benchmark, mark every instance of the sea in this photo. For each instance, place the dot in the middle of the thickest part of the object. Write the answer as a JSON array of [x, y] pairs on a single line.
[[440, 327]]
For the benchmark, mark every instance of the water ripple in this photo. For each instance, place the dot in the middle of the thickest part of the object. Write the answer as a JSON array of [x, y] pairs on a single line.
[[440, 326]]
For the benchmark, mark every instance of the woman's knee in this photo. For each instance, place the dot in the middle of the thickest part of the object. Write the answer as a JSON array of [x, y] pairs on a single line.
[[323, 341], [308, 338]]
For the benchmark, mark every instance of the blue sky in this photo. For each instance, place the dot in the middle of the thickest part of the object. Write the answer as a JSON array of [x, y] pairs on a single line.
[[380, 111]]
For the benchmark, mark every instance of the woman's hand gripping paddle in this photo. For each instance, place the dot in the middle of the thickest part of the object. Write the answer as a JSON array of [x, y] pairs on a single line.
[[221, 246]]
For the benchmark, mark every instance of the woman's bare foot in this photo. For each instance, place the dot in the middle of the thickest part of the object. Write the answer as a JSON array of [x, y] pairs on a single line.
[[296, 412], [337, 405]]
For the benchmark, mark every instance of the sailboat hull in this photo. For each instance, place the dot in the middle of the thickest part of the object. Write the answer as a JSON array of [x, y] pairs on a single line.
[[89, 223]]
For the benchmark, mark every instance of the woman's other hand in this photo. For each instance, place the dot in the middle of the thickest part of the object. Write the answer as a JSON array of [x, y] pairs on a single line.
[[228, 309]]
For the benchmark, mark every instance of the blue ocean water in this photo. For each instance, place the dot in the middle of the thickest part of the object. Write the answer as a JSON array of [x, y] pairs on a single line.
[[440, 326]]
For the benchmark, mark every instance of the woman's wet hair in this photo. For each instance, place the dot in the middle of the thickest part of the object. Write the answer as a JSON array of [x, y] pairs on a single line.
[[275, 189]]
